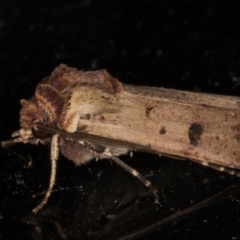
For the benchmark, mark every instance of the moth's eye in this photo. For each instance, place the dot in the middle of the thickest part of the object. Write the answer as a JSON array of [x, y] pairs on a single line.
[[39, 135]]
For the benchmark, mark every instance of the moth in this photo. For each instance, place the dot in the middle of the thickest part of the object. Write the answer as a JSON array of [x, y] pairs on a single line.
[[91, 115]]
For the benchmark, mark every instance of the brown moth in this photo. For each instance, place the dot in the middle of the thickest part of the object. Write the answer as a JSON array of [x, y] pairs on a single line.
[[87, 115]]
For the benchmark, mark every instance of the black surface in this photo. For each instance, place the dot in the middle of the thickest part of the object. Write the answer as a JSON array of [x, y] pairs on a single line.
[[190, 45]]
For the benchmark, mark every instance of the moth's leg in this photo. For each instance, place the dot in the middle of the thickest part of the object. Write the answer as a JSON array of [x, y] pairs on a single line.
[[21, 136], [137, 175], [54, 157], [8, 143], [220, 168]]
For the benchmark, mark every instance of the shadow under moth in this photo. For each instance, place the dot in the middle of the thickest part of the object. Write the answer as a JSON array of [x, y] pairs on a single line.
[[91, 115]]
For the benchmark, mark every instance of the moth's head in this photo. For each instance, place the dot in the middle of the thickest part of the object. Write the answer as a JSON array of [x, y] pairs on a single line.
[[30, 115], [44, 108]]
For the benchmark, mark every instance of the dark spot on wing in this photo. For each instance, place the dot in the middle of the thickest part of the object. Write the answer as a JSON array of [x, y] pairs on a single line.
[[236, 128], [148, 110], [101, 118], [162, 130], [105, 98], [238, 104], [194, 133], [85, 117], [237, 136]]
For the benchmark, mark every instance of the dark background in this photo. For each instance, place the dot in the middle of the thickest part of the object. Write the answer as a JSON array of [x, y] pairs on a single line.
[[190, 45]]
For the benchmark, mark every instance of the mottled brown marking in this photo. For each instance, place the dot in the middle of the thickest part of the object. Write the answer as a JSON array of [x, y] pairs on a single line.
[[162, 130], [237, 136], [238, 104], [86, 117], [101, 118], [194, 133], [236, 128], [148, 111]]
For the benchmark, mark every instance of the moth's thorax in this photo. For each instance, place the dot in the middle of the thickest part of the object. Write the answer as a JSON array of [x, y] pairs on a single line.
[[67, 95]]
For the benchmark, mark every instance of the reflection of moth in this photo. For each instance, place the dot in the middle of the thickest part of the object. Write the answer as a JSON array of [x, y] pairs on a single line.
[[199, 127]]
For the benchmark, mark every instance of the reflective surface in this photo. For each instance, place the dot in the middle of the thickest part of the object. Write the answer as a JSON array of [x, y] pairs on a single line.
[[100, 201]]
